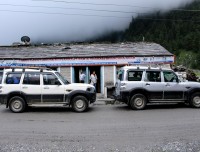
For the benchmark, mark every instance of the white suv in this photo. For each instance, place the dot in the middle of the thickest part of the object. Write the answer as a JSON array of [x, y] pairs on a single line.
[[138, 86], [22, 87]]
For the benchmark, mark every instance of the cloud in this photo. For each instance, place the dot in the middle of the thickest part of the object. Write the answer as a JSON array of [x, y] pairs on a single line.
[[61, 21]]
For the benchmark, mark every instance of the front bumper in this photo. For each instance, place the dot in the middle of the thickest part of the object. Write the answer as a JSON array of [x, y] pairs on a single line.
[[92, 97]]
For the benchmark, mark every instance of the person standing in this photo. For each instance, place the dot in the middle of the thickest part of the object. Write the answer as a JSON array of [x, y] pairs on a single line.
[[82, 77], [93, 79]]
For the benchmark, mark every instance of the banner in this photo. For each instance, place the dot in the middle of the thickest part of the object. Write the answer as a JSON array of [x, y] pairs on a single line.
[[88, 61]]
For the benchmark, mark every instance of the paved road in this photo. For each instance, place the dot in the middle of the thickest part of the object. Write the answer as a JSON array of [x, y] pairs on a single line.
[[104, 128]]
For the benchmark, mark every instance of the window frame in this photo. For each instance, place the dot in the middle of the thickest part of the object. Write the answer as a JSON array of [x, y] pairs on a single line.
[[19, 79], [176, 77], [49, 73], [31, 73], [157, 79], [134, 70]]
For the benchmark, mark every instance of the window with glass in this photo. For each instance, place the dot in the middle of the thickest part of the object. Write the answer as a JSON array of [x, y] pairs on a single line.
[[62, 78], [135, 75], [32, 79], [13, 78], [153, 76], [120, 74], [170, 76], [50, 79], [1, 76]]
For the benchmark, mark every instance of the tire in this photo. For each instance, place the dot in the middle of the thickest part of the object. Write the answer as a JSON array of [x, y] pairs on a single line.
[[79, 104], [138, 102], [195, 100], [17, 104]]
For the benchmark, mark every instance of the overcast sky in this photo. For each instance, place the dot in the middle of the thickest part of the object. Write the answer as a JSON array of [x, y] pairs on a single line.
[[73, 20]]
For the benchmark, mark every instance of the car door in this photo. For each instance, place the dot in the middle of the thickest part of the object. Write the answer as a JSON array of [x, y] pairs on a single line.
[[153, 85], [52, 89], [173, 90], [31, 87], [134, 79]]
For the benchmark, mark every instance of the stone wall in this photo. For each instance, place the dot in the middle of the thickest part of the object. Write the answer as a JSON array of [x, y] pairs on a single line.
[[66, 72], [108, 76]]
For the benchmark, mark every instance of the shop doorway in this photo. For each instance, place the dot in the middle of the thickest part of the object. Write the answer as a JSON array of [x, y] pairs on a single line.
[[77, 71], [88, 70], [97, 71]]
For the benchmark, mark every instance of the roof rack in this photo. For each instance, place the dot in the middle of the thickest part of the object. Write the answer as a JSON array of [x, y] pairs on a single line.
[[161, 66], [29, 67]]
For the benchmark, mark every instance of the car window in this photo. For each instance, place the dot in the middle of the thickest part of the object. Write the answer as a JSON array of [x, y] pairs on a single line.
[[135, 75], [1, 76], [152, 76], [120, 74], [32, 78], [170, 76], [62, 78], [50, 79], [13, 78]]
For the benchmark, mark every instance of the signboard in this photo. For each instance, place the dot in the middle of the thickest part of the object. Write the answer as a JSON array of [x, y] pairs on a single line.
[[89, 61]]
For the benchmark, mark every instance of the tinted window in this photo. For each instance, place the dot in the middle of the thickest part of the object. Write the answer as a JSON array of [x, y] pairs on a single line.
[[1, 76], [50, 79], [32, 78], [153, 76], [134, 75], [13, 78]]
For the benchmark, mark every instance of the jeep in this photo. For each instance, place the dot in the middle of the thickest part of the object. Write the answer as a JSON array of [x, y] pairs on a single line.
[[139, 85], [24, 87]]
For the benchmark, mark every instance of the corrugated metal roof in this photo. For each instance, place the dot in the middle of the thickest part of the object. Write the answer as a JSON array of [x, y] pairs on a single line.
[[83, 50]]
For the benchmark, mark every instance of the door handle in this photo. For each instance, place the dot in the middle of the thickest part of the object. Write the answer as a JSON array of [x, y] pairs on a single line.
[[187, 87], [147, 84], [167, 85], [24, 87], [46, 87]]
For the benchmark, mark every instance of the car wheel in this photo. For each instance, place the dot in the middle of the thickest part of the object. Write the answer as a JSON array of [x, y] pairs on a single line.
[[195, 100], [138, 102], [17, 104], [79, 104]]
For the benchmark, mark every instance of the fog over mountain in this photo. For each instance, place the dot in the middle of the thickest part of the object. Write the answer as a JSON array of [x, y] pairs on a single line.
[[61, 20]]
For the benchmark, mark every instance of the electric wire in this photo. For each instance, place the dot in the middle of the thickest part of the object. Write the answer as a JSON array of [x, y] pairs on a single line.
[[110, 4], [86, 9], [139, 18], [67, 14], [71, 8]]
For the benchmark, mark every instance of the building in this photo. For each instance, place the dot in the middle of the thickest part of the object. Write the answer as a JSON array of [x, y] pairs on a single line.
[[71, 59]]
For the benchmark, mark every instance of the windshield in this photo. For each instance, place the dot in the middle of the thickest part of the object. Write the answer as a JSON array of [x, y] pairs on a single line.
[[62, 78]]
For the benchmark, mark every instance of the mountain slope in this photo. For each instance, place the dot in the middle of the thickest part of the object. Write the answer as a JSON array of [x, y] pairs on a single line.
[[176, 30]]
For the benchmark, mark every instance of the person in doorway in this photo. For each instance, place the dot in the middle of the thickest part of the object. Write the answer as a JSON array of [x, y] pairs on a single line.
[[93, 79], [82, 77]]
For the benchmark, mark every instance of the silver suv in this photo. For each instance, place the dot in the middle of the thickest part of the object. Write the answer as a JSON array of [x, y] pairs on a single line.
[[23, 87], [138, 86]]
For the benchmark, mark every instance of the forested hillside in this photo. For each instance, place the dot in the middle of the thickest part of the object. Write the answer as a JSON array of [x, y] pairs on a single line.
[[178, 31]]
